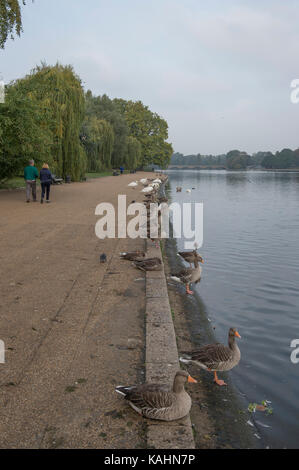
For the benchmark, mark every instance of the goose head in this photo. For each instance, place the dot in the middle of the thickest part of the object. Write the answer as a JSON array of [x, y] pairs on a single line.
[[181, 377], [232, 335]]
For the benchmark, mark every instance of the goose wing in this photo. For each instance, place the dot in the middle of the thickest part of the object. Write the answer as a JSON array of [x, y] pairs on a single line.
[[185, 275], [150, 397], [212, 355]]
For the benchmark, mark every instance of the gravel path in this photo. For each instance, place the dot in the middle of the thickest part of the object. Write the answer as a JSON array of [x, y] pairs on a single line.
[[73, 327]]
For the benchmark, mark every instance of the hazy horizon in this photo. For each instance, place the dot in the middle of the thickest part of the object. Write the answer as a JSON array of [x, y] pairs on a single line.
[[220, 74]]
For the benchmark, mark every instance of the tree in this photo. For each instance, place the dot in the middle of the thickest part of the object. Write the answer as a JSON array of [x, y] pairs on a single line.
[[97, 137], [10, 20], [51, 102], [133, 154], [149, 129], [104, 108], [236, 160], [24, 131]]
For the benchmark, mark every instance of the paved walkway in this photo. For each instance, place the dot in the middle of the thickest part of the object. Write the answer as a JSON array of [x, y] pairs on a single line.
[[73, 328]]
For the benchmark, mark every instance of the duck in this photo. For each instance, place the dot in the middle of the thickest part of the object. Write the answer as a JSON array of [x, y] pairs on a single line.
[[160, 402], [189, 275], [178, 189], [189, 256], [103, 258], [188, 191], [216, 357], [132, 255], [149, 264]]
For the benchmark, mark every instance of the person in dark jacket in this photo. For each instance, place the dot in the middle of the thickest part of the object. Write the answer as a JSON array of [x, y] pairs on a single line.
[[46, 180]]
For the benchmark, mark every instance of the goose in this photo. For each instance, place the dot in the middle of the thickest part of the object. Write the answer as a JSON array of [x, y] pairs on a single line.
[[157, 181], [143, 181], [189, 275], [149, 264], [216, 357], [188, 191], [132, 255], [156, 401], [190, 256], [133, 184]]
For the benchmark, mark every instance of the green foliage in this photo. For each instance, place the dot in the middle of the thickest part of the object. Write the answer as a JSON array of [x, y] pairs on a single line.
[[24, 130], [133, 153], [41, 119], [10, 20], [281, 160], [48, 118], [98, 140], [104, 109], [149, 129], [236, 160]]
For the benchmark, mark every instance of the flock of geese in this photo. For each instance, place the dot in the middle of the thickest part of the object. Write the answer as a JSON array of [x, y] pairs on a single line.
[[160, 402]]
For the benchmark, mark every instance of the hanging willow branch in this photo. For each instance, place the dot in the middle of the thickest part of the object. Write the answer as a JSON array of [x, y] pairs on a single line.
[[10, 20]]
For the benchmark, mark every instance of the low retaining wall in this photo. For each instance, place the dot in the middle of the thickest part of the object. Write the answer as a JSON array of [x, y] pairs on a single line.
[[162, 361]]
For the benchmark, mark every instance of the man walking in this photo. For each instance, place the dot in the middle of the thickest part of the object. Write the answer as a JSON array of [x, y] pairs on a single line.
[[30, 175]]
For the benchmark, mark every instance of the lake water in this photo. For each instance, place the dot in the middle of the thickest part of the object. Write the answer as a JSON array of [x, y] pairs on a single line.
[[251, 281]]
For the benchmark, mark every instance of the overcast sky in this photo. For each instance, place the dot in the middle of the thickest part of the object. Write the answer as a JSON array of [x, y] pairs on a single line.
[[218, 71]]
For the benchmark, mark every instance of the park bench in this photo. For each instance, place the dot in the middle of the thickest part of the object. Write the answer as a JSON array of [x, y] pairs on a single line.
[[56, 179]]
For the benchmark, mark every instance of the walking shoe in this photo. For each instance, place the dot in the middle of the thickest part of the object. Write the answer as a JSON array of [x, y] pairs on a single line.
[[41, 201], [28, 202], [48, 202]]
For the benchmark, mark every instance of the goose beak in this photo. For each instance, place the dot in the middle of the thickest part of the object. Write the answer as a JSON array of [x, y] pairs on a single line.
[[191, 380], [237, 335], [202, 261]]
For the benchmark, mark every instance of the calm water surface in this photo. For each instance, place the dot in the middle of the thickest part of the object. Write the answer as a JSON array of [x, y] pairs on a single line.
[[251, 281]]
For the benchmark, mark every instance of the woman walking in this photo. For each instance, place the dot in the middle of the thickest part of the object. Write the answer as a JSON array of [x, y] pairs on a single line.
[[46, 180]]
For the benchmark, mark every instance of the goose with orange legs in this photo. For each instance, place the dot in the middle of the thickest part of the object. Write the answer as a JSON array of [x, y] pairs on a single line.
[[216, 357]]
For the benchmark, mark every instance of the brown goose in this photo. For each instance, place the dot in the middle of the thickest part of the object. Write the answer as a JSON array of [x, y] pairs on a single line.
[[189, 256], [149, 264], [189, 275], [216, 357], [132, 255], [159, 401]]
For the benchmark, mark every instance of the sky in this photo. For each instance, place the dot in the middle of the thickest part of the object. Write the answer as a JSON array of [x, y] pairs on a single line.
[[218, 71]]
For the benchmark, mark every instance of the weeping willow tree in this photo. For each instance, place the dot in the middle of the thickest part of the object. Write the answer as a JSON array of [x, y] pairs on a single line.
[[24, 131], [10, 20], [59, 89], [98, 140], [133, 154]]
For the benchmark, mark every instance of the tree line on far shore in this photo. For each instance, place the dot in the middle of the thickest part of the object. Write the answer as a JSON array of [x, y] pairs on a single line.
[[47, 116], [238, 160]]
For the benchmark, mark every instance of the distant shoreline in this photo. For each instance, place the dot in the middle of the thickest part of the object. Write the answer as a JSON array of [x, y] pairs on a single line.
[[287, 170]]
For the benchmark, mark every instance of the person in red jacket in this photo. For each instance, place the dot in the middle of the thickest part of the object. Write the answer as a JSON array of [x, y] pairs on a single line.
[[46, 181]]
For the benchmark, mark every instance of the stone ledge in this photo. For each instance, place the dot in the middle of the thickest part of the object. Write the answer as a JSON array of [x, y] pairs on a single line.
[[162, 359]]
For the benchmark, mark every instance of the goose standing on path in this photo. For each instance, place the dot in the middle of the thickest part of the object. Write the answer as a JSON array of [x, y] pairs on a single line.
[[189, 275], [216, 357], [156, 401]]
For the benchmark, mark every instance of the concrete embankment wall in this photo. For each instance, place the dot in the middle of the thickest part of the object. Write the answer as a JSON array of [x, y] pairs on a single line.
[[162, 360]]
